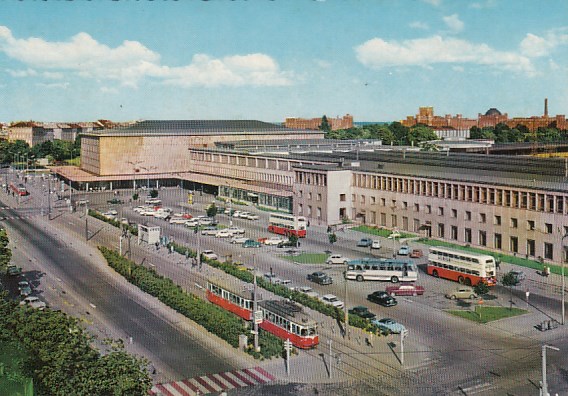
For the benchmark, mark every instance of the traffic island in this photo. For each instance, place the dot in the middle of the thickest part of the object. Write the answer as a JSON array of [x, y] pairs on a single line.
[[484, 314]]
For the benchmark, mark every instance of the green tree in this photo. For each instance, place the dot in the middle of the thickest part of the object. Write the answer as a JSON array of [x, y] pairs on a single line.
[[399, 131], [293, 238], [153, 193], [381, 132], [332, 238], [509, 280], [420, 133], [212, 210], [481, 288], [325, 126], [135, 197]]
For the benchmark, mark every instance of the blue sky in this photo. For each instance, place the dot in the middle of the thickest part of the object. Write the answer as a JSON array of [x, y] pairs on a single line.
[[378, 60]]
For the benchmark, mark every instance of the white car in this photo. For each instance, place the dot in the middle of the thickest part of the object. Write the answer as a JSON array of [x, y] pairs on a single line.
[[178, 220], [273, 241], [239, 239], [252, 217], [308, 291], [209, 231], [140, 209], [223, 234], [161, 215], [332, 300], [205, 221], [33, 302], [153, 201], [112, 212], [336, 259], [192, 223], [244, 215], [237, 213], [235, 230], [148, 212], [210, 255]]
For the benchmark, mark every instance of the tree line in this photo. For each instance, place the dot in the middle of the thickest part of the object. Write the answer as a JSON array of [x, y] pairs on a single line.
[[54, 150], [399, 135]]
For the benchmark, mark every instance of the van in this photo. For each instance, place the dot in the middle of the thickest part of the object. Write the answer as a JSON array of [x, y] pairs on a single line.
[[376, 244], [462, 292]]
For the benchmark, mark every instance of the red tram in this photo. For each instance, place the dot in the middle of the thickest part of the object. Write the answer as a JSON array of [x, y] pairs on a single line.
[[282, 318]]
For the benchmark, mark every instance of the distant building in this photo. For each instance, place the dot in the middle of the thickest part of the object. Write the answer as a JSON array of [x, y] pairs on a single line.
[[344, 122], [31, 132], [490, 119]]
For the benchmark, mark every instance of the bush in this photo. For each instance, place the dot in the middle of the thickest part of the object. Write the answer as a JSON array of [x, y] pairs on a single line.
[[214, 319]]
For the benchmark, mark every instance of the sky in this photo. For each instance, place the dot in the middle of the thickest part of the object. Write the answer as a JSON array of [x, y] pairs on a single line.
[[378, 60]]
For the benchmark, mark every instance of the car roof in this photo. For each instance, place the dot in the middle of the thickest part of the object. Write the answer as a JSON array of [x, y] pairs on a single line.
[[329, 296]]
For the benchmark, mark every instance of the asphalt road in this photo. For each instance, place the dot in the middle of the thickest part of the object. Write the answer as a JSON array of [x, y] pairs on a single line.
[[180, 353]]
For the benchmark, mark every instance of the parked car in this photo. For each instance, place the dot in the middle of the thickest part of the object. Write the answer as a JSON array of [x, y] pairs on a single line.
[[274, 241], [236, 213], [365, 242], [34, 302], [115, 201], [251, 243], [336, 259], [286, 243], [462, 292], [376, 244], [252, 216], [519, 275], [235, 230], [394, 234], [153, 201], [362, 312], [416, 253], [404, 250], [332, 300], [209, 231], [24, 288], [192, 223], [389, 325], [13, 270], [405, 289], [178, 220], [162, 215], [223, 234], [308, 291], [320, 277], [209, 254], [239, 239], [382, 298]]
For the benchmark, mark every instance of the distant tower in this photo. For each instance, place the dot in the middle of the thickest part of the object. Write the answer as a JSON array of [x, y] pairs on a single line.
[[546, 107]]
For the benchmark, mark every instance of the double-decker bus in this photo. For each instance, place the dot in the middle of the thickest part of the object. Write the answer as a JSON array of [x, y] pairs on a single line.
[[460, 266], [286, 224], [19, 189], [283, 318], [392, 270]]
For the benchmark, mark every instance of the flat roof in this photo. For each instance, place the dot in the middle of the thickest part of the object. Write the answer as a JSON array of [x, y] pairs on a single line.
[[199, 127]]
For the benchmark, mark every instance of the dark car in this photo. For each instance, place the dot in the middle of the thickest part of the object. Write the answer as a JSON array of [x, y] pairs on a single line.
[[320, 277], [365, 242], [362, 312], [115, 201], [382, 298], [284, 244]]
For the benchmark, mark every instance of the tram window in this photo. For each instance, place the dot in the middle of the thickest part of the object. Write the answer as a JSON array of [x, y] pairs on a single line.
[[312, 331], [382, 267], [451, 267], [475, 273], [367, 267], [294, 328], [390, 267], [304, 331]]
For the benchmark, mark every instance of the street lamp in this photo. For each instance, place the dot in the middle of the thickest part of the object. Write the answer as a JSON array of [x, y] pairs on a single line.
[[544, 390], [563, 278]]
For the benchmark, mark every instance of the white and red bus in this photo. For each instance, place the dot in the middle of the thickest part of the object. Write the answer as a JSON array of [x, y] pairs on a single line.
[[19, 189], [283, 318], [287, 224], [464, 267]]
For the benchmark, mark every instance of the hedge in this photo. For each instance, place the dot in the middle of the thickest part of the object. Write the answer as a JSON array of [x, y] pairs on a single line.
[[214, 319], [132, 228]]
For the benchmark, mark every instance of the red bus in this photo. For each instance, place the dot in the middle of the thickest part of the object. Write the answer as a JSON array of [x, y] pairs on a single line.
[[283, 318], [287, 224], [19, 189], [460, 266]]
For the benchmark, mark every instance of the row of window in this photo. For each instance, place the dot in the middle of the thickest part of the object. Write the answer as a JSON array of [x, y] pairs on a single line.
[[309, 195], [458, 269], [309, 211], [461, 192], [285, 324]]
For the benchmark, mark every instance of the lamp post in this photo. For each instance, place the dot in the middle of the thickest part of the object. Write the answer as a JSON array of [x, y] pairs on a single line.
[[544, 390], [563, 278]]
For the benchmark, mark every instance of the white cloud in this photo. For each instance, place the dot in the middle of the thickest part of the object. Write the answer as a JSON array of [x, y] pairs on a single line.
[[536, 46], [485, 4], [435, 3], [22, 73], [53, 85], [377, 53], [419, 25], [109, 90], [323, 63], [52, 75], [131, 62], [458, 68], [454, 23]]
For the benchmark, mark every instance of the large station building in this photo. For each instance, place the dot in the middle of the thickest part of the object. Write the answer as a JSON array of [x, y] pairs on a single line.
[[512, 204]]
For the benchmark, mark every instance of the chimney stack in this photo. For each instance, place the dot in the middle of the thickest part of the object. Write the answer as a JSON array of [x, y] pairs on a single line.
[[546, 107]]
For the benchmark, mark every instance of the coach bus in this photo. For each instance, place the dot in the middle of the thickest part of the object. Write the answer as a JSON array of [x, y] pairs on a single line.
[[19, 189], [464, 267], [392, 270], [286, 224]]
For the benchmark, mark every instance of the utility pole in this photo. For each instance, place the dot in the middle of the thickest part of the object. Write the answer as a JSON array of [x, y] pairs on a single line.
[[288, 346], [49, 196], [330, 358], [544, 390], [345, 306]]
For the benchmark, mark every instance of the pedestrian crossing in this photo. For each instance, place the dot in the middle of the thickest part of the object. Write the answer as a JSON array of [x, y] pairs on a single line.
[[213, 383]]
